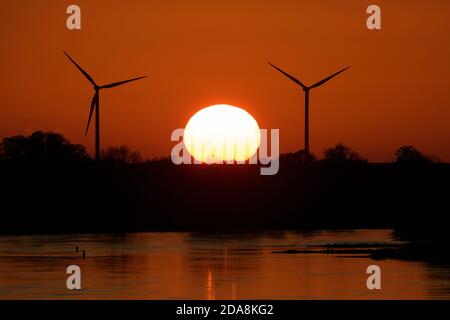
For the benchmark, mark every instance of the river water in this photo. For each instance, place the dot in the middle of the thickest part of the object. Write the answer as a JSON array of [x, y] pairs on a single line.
[[209, 266]]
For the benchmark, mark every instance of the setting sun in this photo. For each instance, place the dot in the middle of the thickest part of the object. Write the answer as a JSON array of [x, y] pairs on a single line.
[[222, 133]]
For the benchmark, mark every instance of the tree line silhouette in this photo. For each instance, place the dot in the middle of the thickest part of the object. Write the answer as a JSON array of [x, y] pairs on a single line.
[[49, 185], [53, 147]]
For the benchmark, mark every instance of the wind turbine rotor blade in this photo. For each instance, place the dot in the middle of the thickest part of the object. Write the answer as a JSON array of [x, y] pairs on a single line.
[[115, 84], [289, 76], [81, 69], [93, 104], [321, 82]]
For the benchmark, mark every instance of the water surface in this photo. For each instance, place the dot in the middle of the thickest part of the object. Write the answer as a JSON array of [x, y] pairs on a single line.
[[209, 266]]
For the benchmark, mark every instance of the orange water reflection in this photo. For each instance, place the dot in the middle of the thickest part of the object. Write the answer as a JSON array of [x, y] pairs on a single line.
[[199, 266]]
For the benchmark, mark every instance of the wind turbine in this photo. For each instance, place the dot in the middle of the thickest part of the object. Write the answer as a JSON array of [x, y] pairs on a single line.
[[95, 104], [306, 89]]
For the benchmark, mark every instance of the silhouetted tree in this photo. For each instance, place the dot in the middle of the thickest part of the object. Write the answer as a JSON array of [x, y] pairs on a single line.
[[410, 155], [340, 153], [41, 146], [121, 154], [298, 157], [14, 147]]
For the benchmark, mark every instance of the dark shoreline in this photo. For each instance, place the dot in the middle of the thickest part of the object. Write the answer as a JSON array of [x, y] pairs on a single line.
[[411, 251], [113, 197]]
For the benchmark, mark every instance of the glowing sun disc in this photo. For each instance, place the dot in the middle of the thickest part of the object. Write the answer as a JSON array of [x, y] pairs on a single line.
[[222, 133]]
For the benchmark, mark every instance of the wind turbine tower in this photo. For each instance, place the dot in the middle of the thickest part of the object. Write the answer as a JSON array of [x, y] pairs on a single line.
[[306, 89], [95, 104]]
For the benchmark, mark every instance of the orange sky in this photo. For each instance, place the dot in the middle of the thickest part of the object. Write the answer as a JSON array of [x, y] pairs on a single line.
[[199, 53]]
